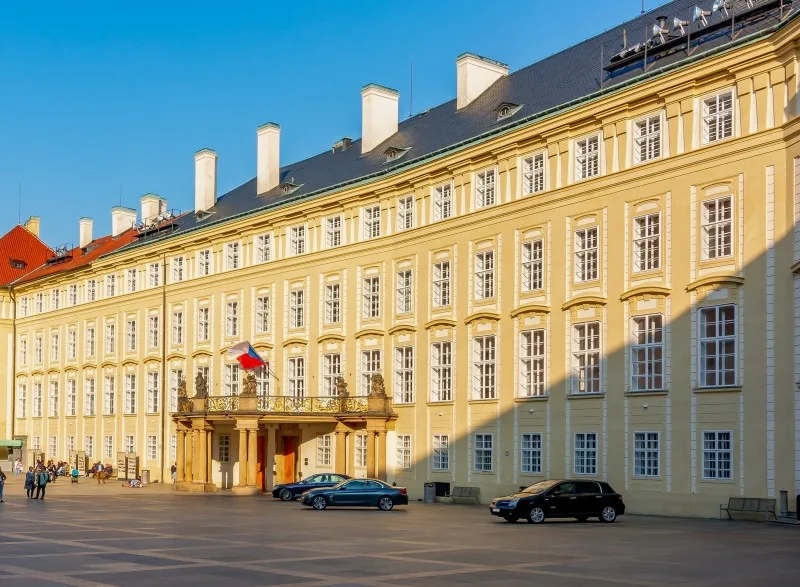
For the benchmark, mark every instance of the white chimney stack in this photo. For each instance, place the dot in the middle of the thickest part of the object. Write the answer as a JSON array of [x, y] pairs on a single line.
[[379, 115], [205, 180], [268, 164], [85, 225], [122, 219], [152, 206], [474, 75]]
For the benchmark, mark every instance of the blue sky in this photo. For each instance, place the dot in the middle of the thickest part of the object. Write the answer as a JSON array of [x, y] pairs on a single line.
[[107, 100]]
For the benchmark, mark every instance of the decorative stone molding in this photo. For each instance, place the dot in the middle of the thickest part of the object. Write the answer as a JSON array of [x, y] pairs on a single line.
[[295, 340], [584, 301], [532, 309], [482, 317], [645, 292], [330, 338], [440, 323], [402, 328], [369, 332], [713, 282]]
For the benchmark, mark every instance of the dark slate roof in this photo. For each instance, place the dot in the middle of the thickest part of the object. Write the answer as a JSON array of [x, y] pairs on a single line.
[[569, 76]]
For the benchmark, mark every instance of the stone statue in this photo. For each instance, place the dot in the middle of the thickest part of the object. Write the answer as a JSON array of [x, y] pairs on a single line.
[[182, 394], [341, 388], [200, 386], [377, 389], [249, 385]]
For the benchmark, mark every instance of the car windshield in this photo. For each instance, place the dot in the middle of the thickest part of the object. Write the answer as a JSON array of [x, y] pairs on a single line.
[[340, 483], [540, 486], [312, 479]]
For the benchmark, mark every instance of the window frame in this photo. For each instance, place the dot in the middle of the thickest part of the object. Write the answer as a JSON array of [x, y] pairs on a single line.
[[484, 272], [531, 265], [533, 177], [441, 371], [405, 212], [587, 160], [333, 231], [589, 453], [404, 291], [646, 458], [486, 191], [483, 451], [587, 257], [440, 452], [373, 359], [484, 367], [647, 346], [530, 457], [576, 352], [707, 117], [296, 377], [331, 371], [262, 244], [333, 303], [702, 371], [371, 222], [297, 240], [717, 230], [441, 289], [297, 307], [718, 452], [403, 451], [371, 297], [442, 201], [651, 140], [533, 365], [403, 375], [646, 244]]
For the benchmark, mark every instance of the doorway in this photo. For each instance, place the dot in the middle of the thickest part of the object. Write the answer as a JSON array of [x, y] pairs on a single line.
[[260, 460], [289, 454]]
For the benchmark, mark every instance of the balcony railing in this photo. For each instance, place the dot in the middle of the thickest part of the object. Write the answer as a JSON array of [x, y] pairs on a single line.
[[274, 404]]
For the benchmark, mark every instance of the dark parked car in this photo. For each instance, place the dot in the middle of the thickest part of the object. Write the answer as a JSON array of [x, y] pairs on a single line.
[[560, 499], [357, 492], [290, 491]]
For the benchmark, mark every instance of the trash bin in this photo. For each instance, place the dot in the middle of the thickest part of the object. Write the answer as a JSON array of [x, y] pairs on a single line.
[[145, 477], [429, 496]]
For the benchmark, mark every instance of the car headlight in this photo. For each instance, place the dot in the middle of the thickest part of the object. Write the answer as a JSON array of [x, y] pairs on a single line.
[[513, 503]]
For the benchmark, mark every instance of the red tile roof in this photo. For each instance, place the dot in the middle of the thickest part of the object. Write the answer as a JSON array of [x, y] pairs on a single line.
[[20, 253], [78, 257]]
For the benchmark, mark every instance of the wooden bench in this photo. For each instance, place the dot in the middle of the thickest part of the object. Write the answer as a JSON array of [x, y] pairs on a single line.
[[748, 505], [466, 493]]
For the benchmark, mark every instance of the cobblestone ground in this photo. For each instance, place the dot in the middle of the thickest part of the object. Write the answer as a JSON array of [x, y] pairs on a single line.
[[105, 535]]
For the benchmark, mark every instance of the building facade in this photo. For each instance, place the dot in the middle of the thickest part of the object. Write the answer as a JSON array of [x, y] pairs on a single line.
[[603, 287]]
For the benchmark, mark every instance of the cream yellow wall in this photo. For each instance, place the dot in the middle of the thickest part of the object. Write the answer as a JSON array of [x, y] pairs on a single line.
[[6, 368], [756, 167]]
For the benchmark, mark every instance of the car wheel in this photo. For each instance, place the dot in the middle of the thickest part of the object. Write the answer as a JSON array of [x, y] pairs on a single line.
[[385, 503], [319, 503], [286, 495], [581, 518], [536, 515], [608, 515]]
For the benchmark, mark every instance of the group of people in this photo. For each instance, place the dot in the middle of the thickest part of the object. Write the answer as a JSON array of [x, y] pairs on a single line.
[[37, 479]]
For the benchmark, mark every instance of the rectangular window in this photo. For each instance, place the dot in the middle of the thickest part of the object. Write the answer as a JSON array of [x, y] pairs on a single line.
[[262, 314], [175, 380], [90, 341], [533, 174], [263, 248], [647, 139], [22, 400], [152, 448], [37, 400], [109, 396], [483, 367], [372, 297], [333, 231], [88, 397], [441, 452], [332, 304], [370, 365], [108, 446], [717, 228], [23, 307], [91, 290], [55, 299], [72, 295], [153, 275], [531, 453], [36, 443], [484, 453], [403, 292], [405, 213], [88, 445], [717, 346], [70, 444], [532, 265], [485, 188], [586, 453], [131, 280], [372, 222], [484, 275], [443, 201], [130, 443], [403, 451], [232, 256], [441, 372], [586, 249], [111, 285], [232, 379], [531, 363], [54, 347], [331, 371], [441, 284], [718, 117], [37, 350], [153, 332], [586, 358], [39, 303], [72, 344], [587, 157], [52, 407], [224, 448], [130, 393], [71, 399], [262, 380], [232, 318], [23, 351], [717, 455], [202, 324], [361, 450], [647, 242], [324, 450], [297, 377], [130, 336], [204, 263], [404, 375], [297, 309], [647, 353], [177, 269], [645, 454], [153, 385], [53, 445], [111, 338], [177, 328], [297, 240]]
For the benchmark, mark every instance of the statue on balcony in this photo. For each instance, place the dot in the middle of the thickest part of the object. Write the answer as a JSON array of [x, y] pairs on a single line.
[[200, 386], [249, 385], [377, 388], [182, 393], [341, 388]]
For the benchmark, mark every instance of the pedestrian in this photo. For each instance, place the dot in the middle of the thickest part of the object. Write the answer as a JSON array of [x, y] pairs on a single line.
[[2, 484], [42, 479], [30, 482], [174, 472], [17, 467], [100, 473]]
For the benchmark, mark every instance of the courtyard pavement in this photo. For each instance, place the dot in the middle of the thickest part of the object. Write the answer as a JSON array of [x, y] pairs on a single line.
[[87, 535]]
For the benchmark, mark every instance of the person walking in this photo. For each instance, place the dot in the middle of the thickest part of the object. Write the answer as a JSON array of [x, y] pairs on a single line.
[[30, 482], [100, 473], [42, 479], [174, 472], [2, 484]]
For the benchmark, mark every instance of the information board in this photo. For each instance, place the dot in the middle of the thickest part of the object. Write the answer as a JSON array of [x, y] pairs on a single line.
[[121, 468], [132, 466], [81, 462]]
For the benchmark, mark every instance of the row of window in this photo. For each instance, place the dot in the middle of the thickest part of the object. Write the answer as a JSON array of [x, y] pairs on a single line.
[[129, 445]]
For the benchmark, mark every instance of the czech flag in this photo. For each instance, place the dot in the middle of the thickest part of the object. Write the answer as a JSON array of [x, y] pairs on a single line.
[[246, 355]]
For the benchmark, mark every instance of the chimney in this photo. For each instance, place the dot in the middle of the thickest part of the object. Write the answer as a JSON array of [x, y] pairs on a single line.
[[122, 219], [32, 225], [268, 165], [85, 225], [205, 180], [152, 206], [379, 115], [474, 75]]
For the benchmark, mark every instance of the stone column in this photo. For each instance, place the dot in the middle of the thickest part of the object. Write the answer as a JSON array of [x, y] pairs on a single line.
[[381, 455], [201, 466], [180, 456], [209, 455], [341, 451], [192, 473], [252, 455], [242, 458], [371, 460], [270, 458]]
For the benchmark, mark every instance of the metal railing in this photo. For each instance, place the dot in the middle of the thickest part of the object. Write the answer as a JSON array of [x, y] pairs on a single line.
[[275, 404]]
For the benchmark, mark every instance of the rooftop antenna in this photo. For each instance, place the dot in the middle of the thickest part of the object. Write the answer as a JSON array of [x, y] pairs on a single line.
[[411, 91], [19, 204], [642, 6]]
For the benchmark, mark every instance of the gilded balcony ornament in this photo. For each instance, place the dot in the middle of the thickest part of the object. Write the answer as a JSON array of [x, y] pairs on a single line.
[[225, 403]]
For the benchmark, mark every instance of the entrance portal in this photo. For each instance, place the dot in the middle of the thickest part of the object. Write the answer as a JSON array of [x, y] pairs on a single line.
[[260, 459]]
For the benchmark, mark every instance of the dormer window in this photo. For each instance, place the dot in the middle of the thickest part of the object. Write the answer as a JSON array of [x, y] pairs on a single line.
[[17, 264], [287, 187], [506, 110], [394, 153]]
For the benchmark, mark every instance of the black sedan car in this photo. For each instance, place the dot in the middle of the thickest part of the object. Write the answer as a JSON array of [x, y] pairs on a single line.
[[357, 492], [290, 491], [580, 499]]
